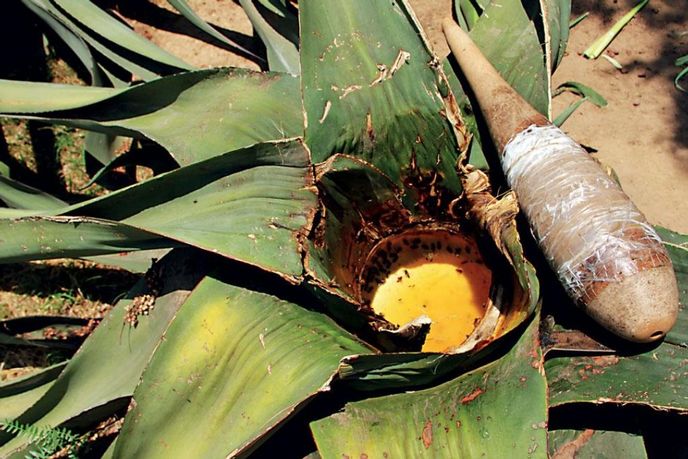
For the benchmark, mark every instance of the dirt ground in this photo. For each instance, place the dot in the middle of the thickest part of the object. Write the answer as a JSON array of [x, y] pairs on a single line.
[[642, 133]]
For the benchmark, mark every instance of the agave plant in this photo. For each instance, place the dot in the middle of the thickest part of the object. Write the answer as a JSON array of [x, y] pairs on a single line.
[[303, 202]]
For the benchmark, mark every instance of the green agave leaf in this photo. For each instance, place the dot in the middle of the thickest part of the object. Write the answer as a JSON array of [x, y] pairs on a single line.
[[583, 91], [185, 10], [233, 365], [677, 246], [574, 22], [278, 7], [402, 370], [467, 12], [251, 205], [36, 238], [194, 115], [586, 92], [97, 22], [72, 40], [507, 34], [283, 54], [20, 196], [31, 331], [28, 98], [372, 89], [499, 410], [8, 340], [109, 364], [145, 60], [556, 32], [18, 395], [599, 444], [567, 112], [655, 377]]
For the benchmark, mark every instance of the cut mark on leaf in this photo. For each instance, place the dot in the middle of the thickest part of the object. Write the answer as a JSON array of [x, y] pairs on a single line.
[[385, 73], [472, 396], [350, 89], [426, 436], [326, 111]]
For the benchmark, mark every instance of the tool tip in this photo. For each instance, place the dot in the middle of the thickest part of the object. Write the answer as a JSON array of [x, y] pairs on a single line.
[[641, 308]]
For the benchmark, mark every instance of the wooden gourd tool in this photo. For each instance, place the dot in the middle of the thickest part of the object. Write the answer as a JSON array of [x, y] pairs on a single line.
[[610, 260]]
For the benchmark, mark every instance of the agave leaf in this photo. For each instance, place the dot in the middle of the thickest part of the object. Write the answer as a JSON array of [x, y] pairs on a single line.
[[233, 365], [72, 40], [507, 34], [36, 238], [583, 91], [109, 364], [595, 443], [556, 31], [655, 376], [467, 12], [185, 10], [20, 196], [586, 92], [194, 115], [372, 89], [8, 340], [498, 410], [106, 28], [28, 98], [283, 54], [250, 205], [567, 112], [574, 22], [476, 155], [145, 60], [600, 44], [18, 395]]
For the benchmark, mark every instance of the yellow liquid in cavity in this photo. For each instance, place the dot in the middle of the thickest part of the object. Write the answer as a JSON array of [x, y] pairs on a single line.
[[452, 291]]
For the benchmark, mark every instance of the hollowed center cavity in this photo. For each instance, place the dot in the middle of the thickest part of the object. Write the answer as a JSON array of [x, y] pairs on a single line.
[[435, 274]]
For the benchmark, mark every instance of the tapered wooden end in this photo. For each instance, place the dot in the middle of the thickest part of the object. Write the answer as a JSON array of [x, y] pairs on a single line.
[[641, 308], [508, 113]]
